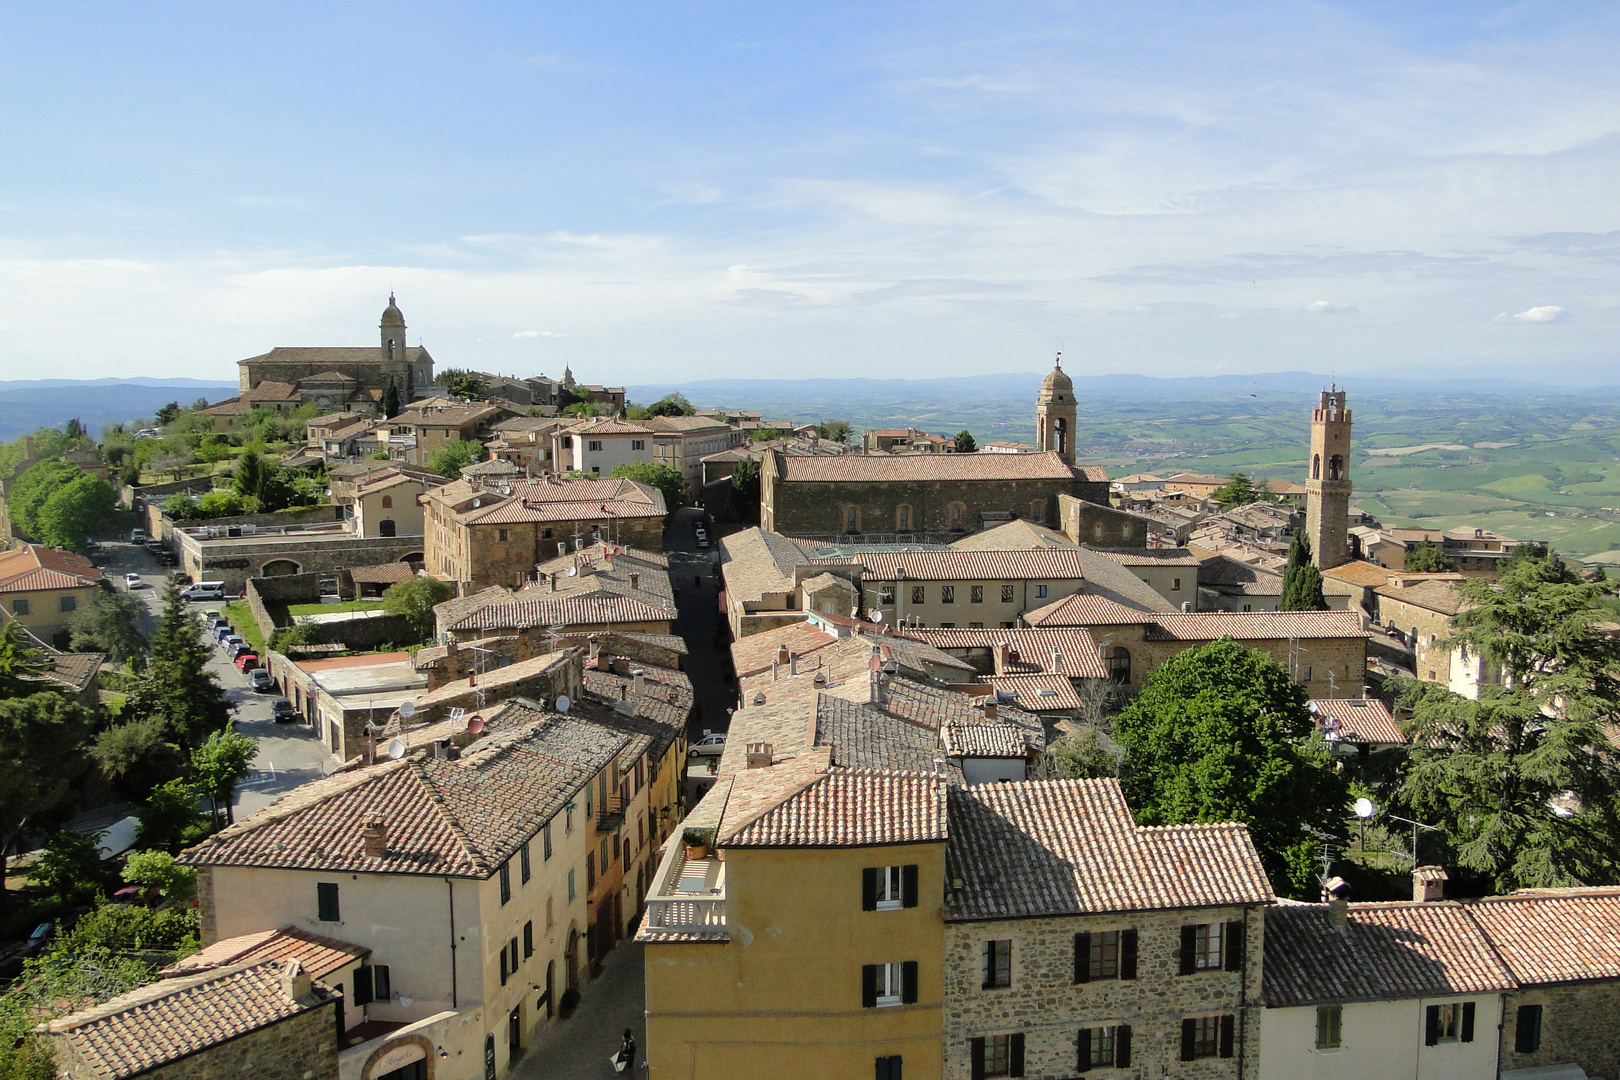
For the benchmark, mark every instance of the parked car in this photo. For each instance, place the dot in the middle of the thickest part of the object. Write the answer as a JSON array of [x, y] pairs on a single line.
[[137, 536], [708, 746], [282, 711], [231, 642], [133, 581], [222, 630], [247, 661], [260, 680]]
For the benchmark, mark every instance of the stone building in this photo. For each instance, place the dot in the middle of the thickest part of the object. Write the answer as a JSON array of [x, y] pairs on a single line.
[[1327, 488], [337, 378], [1055, 414], [1076, 940]]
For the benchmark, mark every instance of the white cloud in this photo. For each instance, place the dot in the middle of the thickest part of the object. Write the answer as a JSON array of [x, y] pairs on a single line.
[[1324, 307], [536, 333], [1544, 313]]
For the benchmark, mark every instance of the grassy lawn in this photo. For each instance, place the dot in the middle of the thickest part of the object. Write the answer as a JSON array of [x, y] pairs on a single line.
[[328, 609], [242, 619]]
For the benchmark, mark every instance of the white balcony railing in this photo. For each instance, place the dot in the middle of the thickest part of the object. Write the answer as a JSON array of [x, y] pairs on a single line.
[[689, 895]]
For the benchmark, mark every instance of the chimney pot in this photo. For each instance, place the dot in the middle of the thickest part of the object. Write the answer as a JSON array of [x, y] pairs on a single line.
[[759, 755], [793, 663], [990, 706], [640, 679], [374, 837], [1428, 884], [295, 982]]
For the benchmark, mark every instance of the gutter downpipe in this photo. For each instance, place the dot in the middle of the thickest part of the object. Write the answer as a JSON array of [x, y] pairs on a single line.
[[1243, 1000], [450, 893]]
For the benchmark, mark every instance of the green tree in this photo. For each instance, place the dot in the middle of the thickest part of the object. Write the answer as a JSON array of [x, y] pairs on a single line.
[[168, 817], [833, 430], [138, 754], [450, 460], [76, 511], [390, 399], [215, 504], [1302, 581], [248, 476], [415, 599], [1237, 491], [20, 661], [111, 624], [459, 382], [1221, 733], [666, 478], [213, 450], [1487, 771], [177, 687], [745, 491], [965, 442], [134, 928], [33, 488], [219, 764], [53, 985], [765, 434], [42, 740], [70, 867], [166, 414], [671, 405], [1427, 557], [158, 870], [1080, 755]]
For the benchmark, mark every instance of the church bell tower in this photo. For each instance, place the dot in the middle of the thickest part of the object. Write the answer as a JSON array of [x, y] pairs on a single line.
[[1327, 488], [393, 344], [1055, 413]]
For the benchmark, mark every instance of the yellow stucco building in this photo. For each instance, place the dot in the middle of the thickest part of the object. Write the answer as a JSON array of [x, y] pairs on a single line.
[[41, 588]]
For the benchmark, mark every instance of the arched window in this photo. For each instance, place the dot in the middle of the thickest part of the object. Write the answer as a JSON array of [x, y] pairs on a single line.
[[386, 527], [1316, 466], [279, 568], [1117, 659], [388, 502], [1060, 435], [958, 515], [1335, 467], [902, 518]]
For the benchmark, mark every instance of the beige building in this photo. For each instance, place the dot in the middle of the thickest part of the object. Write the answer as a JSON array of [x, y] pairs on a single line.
[[41, 589], [965, 588], [387, 506], [427, 427]]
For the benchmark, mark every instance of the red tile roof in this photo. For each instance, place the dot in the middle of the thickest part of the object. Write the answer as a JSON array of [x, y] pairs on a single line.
[[596, 609], [1085, 609], [1554, 935], [754, 653], [881, 469], [1047, 563], [1358, 720], [1256, 626], [845, 808], [32, 568], [319, 956]]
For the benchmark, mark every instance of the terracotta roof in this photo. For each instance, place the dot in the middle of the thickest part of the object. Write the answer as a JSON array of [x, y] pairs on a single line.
[[1048, 563], [1058, 847], [1039, 692], [865, 736], [1440, 596], [1020, 535], [1360, 572], [1554, 935], [844, 808], [873, 468], [1149, 556], [549, 499], [457, 608], [592, 609], [1255, 626], [319, 956], [610, 426], [173, 1018], [76, 671], [1086, 609], [436, 416], [33, 568], [270, 390], [1077, 650], [756, 562], [385, 573], [985, 739], [1358, 720], [666, 695], [1384, 952], [756, 652]]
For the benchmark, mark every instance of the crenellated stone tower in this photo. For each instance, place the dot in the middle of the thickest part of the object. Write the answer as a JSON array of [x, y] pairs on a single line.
[[1327, 506], [1055, 413]]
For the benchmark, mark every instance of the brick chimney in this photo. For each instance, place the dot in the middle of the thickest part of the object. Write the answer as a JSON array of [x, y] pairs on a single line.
[[1336, 891], [635, 581], [782, 654], [759, 755], [374, 836], [295, 984], [1428, 884]]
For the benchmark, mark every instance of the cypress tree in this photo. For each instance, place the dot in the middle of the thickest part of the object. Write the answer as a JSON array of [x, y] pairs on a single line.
[[1302, 581]]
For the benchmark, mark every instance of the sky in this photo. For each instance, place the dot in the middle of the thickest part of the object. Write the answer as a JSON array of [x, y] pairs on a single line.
[[679, 191]]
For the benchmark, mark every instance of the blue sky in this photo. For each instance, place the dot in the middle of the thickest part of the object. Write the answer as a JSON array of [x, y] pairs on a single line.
[[664, 192]]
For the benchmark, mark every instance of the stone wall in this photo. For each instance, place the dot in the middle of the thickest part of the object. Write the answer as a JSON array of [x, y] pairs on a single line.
[[478, 557], [804, 508], [1086, 521], [302, 1047], [1049, 1008], [321, 554], [1577, 1024], [1433, 662]]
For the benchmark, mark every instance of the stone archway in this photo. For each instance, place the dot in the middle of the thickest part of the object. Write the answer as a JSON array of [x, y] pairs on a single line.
[[279, 568], [398, 1055]]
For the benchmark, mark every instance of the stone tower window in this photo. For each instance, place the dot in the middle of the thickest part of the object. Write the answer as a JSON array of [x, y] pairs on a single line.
[[1335, 467], [1316, 466], [902, 518]]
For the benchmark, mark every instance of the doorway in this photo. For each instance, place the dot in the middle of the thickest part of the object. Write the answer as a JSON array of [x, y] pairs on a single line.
[[514, 1034]]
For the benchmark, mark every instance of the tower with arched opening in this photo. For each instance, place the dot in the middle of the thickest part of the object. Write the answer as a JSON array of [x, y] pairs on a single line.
[[1327, 483], [1055, 413]]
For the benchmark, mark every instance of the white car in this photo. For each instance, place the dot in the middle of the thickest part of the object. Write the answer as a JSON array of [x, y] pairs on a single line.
[[133, 581], [708, 746]]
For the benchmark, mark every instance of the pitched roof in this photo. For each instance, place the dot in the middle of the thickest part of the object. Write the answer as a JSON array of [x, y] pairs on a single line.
[[756, 562], [76, 671], [317, 955], [1441, 596], [1077, 651], [1038, 692], [384, 573], [33, 568], [1149, 556], [1358, 720], [985, 739], [590, 609], [841, 808], [1056, 847], [174, 1018], [885, 469], [1020, 535], [548, 499], [956, 565], [1088, 609], [1360, 572], [756, 652], [606, 426], [865, 736], [1255, 626], [1554, 935], [1383, 952]]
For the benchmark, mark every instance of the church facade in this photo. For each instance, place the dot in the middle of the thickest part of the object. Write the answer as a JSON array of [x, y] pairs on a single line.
[[337, 378]]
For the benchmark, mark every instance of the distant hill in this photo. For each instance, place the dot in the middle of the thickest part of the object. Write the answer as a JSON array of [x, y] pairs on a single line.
[[27, 404]]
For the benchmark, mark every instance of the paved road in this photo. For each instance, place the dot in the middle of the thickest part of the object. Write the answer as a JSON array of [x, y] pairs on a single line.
[[289, 754], [580, 1046], [697, 599]]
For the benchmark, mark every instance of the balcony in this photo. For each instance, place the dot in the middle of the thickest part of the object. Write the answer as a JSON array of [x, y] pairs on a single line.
[[688, 898], [610, 815]]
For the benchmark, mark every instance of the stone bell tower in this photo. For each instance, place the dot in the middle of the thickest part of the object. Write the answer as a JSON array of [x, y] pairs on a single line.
[[1055, 413], [393, 340], [1327, 487]]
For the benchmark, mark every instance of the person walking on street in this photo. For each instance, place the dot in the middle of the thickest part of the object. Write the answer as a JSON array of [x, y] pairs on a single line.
[[627, 1051]]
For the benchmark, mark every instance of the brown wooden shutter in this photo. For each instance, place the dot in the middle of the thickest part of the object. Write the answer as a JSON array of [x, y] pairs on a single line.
[[908, 886], [1084, 1064], [1122, 1045], [869, 986], [1431, 1025], [1234, 945], [1189, 952], [908, 982], [1189, 1038], [869, 887], [1015, 1054], [1127, 954], [362, 983], [1467, 1034], [1082, 958], [1228, 1034], [975, 1055]]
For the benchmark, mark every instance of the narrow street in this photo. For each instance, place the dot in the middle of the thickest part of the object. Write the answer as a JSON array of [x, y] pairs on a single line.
[[581, 1045]]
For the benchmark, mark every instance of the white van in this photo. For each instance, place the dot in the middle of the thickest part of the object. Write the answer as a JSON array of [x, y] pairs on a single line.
[[204, 590]]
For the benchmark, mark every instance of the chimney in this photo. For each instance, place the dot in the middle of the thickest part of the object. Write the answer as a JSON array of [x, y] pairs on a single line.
[[554, 581], [759, 755], [1057, 661], [793, 663], [1336, 891], [1428, 884], [635, 581], [295, 984], [990, 706], [782, 655], [639, 677], [374, 836], [1004, 655]]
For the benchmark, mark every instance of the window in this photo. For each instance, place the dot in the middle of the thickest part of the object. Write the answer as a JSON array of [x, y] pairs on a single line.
[[568, 820], [1040, 592], [852, 519], [997, 963], [958, 513], [1007, 593], [1105, 1048], [1175, 584], [511, 948], [1207, 1036], [1105, 954], [382, 984], [326, 902], [1037, 509], [638, 444], [885, 595], [1527, 1030], [528, 939], [1453, 1022], [388, 502], [1329, 1026], [976, 594], [67, 603], [902, 518], [998, 1055], [593, 444], [1305, 674], [19, 606], [888, 1067], [888, 888], [570, 886], [545, 842], [506, 882], [883, 985], [947, 594], [500, 535], [590, 869], [524, 870], [917, 594], [1212, 947]]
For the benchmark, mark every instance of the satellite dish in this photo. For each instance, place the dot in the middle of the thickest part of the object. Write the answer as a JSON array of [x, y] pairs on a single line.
[[475, 725], [877, 616], [572, 571], [407, 709], [563, 704], [396, 748], [1365, 809], [477, 503]]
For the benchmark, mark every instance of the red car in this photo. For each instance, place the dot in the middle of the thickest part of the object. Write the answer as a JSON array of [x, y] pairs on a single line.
[[247, 662]]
